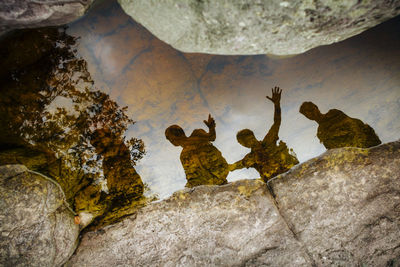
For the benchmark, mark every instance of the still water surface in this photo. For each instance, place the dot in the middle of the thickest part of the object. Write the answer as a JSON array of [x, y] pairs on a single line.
[[161, 86]]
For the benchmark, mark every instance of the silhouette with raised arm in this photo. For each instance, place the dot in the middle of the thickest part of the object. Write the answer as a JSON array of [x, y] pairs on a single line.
[[203, 162], [336, 129], [268, 158]]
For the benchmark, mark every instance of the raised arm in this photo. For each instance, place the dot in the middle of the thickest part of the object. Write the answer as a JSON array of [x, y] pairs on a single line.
[[201, 135], [272, 135], [211, 126]]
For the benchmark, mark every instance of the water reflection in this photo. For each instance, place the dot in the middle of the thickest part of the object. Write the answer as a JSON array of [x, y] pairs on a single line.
[[162, 86], [55, 121], [203, 163], [57, 111], [336, 129], [268, 158]]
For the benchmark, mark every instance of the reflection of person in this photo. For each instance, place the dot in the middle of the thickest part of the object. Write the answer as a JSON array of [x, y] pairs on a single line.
[[203, 163], [122, 178], [268, 158], [336, 129]]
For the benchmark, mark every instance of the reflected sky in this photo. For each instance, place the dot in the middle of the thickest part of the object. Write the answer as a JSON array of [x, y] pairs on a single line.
[[162, 86]]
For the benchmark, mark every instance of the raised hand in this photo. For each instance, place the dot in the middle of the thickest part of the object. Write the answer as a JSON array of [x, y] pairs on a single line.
[[210, 122], [276, 95]]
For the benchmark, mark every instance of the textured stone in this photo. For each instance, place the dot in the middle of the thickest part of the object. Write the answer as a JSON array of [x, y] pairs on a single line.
[[344, 206], [265, 26], [234, 224], [36, 226], [18, 14]]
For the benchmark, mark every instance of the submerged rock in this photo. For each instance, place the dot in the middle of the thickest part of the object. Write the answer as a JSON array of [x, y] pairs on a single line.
[[341, 209], [17, 14], [264, 27], [36, 224]]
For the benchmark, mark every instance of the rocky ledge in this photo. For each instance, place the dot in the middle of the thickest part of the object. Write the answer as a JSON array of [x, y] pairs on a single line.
[[341, 208], [19, 14], [237, 27]]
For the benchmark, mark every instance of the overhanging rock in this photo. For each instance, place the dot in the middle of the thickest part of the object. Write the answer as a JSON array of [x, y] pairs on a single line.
[[278, 27], [17, 14]]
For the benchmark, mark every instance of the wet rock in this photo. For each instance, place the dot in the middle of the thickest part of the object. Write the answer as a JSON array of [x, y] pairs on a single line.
[[17, 14], [36, 225], [344, 206], [273, 27], [234, 224]]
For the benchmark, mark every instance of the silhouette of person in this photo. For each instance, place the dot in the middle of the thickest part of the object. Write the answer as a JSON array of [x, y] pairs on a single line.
[[268, 158], [203, 162], [336, 129], [122, 178]]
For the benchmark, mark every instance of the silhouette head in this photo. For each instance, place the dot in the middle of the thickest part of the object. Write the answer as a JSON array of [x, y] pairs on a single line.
[[246, 138], [310, 110], [175, 135], [104, 139]]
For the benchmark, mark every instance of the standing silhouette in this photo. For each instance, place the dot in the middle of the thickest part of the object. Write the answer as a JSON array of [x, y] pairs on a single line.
[[336, 129], [122, 178], [268, 158], [203, 162]]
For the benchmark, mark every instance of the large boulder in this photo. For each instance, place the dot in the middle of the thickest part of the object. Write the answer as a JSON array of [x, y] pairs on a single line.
[[18, 14], [339, 209], [236, 27], [344, 206], [36, 224], [235, 224]]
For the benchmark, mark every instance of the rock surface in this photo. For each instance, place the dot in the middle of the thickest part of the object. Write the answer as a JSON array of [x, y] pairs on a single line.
[[235, 224], [344, 206], [36, 226], [18, 14], [339, 209], [267, 26]]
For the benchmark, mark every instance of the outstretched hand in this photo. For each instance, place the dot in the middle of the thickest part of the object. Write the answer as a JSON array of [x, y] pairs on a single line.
[[276, 95], [210, 122]]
